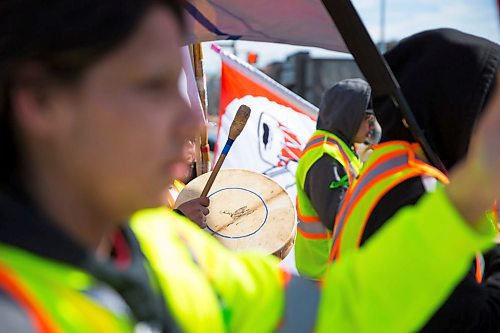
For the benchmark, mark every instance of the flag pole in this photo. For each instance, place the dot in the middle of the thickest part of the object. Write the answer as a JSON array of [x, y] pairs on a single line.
[[203, 148]]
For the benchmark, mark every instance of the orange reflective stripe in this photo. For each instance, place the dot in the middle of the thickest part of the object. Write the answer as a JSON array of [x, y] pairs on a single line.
[[413, 161], [401, 162], [376, 163], [334, 254], [366, 173], [479, 269], [170, 200], [310, 227], [382, 159], [309, 223], [178, 185], [345, 161], [39, 318], [314, 230], [314, 141], [304, 218], [361, 179], [307, 219], [317, 136], [426, 168], [322, 139], [314, 145], [396, 143], [379, 197], [312, 235], [286, 277], [173, 192]]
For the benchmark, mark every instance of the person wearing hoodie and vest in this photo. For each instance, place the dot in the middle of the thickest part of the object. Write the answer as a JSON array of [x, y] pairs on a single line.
[[92, 125], [326, 168], [447, 77]]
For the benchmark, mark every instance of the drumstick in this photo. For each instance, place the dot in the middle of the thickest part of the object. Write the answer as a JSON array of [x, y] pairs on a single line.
[[234, 131]]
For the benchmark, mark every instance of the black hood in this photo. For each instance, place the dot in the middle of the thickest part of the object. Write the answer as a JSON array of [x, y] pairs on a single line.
[[446, 77], [343, 108]]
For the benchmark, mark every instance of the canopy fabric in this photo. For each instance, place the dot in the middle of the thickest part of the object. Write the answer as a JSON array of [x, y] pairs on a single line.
[[298, 22]]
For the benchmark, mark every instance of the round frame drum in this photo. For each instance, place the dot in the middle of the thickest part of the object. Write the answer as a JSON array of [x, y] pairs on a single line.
[[247, 211]]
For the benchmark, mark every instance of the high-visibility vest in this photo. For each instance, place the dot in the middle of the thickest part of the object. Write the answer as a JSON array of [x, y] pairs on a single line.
[[390, 164], [207, 289], [213, 290], [173, 192], [313, 240], [56, 296]]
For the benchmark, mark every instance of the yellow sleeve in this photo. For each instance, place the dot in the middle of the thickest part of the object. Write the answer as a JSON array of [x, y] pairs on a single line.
[[311, 255], [392, 284], [208, 288], [404, 273]]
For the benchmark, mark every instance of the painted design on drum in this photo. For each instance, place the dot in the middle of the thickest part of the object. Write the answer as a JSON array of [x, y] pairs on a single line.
[[237, 214], [279, 147]]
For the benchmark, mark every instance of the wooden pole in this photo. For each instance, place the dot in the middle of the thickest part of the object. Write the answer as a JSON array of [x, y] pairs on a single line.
[[199, 73]]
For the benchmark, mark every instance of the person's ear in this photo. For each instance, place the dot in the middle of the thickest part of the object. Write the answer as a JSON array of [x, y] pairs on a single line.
[[30, 103]]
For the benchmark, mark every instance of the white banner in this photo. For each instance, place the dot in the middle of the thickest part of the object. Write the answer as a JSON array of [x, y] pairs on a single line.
[[278, 129]]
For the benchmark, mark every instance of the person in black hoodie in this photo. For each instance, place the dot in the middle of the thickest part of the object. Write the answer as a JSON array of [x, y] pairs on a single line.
[[345, 112], [447, 78], [327, 167]]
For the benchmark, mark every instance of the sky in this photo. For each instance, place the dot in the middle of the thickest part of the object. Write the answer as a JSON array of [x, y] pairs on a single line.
[[403, 18]]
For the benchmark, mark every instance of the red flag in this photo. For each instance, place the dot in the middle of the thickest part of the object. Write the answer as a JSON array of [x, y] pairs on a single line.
[[280, 124]]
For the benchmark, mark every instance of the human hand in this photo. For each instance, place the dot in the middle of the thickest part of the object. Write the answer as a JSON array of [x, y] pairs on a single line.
[[475, 183], [196, 210]]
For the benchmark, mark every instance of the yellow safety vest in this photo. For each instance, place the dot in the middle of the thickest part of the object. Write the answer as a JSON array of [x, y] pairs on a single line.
[[313, 241], [390, 164], [55, 295], [173, 192], [209, 289], [206, 288]]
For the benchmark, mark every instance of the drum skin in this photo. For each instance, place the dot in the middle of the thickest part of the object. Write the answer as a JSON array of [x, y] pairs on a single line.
[[247, 211]]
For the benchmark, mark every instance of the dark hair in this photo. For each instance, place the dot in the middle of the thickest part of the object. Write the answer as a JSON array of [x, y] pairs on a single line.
[[63, 37]]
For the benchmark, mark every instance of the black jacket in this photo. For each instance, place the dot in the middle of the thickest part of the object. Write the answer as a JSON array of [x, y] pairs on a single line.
[[447, 77]]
